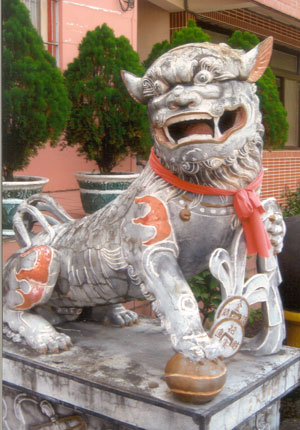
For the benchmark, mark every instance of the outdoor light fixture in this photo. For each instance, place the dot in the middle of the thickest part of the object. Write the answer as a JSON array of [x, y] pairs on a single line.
[[126, 4]]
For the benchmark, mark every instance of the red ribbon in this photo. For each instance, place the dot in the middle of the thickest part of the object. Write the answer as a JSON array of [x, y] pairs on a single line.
[[246, 203]]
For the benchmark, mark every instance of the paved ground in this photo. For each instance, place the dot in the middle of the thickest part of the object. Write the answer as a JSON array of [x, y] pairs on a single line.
[[290, 411], [291, 424]]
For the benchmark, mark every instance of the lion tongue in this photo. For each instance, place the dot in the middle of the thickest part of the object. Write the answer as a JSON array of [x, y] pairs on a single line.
[[199, 128]]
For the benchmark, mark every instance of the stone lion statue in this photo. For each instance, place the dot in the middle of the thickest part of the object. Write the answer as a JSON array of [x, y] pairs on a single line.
[[194, 206]]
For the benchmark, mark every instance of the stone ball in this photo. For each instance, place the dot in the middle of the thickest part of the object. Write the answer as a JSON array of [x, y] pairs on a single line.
[[195, 382]]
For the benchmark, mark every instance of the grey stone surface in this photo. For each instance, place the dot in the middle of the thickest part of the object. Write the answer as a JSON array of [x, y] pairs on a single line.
[[119, 374]]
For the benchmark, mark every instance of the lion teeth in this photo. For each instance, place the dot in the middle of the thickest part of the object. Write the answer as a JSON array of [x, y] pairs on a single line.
[[187, 117], [195, 138]]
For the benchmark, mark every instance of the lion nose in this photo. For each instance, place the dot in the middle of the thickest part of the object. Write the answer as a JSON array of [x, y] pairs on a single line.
[[178, 90], [182, 97]]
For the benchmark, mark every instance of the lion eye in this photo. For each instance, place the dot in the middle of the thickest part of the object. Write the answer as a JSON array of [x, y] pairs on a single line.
[[160, 87], [203, 77]]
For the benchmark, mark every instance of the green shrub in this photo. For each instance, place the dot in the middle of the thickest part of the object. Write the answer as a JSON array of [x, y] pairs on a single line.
[[105, 124], [255, 315], [35, 102], [190, 34], [291, 205], [273, 112], [157, 50], [206, 290]]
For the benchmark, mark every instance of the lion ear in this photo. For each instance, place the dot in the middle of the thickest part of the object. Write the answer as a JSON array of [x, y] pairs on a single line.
[[134, 86], [255, 62]]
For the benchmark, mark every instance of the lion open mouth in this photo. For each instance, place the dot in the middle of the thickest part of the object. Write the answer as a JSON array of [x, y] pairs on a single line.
[[201, 127]]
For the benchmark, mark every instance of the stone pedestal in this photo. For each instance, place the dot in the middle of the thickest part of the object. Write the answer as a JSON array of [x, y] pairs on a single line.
[[113, 379]]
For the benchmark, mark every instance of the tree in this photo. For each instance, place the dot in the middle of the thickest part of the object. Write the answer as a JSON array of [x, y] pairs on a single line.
[[35, 100], [273, 112], [190, 34], [105, 123]]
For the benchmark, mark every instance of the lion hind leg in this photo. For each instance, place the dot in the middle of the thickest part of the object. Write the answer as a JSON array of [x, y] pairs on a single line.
[[114, 314], [30, 279]]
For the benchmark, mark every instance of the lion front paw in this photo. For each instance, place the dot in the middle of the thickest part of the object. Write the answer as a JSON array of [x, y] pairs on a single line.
[[276, 230], [275, 225], [46, 341], [199, 346]]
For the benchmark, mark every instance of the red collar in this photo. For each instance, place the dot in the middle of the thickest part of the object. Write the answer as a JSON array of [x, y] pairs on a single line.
[[246, 202]]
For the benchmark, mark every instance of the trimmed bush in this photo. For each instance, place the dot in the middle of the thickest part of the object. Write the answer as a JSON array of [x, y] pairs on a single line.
[[105, 124], [190, 34], [273, 112], [35, 100]]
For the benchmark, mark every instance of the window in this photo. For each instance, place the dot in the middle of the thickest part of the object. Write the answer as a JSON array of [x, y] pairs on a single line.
[[291, 97], [35, 13], [44, 17]]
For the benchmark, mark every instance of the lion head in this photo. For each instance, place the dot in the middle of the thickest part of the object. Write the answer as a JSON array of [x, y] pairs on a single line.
[[204, 112]]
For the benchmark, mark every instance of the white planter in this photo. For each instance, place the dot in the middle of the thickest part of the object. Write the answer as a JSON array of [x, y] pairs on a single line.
[[97, 190]]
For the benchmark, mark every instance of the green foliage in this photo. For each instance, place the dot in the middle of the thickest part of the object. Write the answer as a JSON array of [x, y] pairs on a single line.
[[291, 206], [190, 34], [35, 101], [157, 50], [274, 114], [206, 290], [255, 315], [105, 122], [245, 40]]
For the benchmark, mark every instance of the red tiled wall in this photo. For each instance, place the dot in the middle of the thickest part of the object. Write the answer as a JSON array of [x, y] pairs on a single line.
[[178, 20], [261, 25], [283, 171]]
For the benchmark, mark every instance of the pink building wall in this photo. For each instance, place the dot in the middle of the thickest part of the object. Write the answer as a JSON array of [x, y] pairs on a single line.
[[76, 17]]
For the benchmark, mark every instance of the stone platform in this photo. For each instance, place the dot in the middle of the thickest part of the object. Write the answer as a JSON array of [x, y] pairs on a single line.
[[113, 379]]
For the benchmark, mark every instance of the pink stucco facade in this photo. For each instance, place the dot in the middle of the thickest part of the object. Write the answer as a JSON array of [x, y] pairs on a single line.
[[75, 18]]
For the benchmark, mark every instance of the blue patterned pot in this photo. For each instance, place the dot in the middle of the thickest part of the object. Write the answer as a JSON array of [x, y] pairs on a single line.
[[13, 193], [97, 190]]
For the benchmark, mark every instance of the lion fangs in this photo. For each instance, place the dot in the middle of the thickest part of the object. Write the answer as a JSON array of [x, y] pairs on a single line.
[[170, 139], [217, 133]]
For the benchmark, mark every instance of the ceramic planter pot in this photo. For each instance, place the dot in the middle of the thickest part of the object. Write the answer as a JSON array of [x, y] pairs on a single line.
[[12, 195], [97, 190]]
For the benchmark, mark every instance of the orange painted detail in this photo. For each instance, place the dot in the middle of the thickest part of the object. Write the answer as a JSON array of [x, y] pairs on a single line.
[[40, 271], [37, 277], [157, 217]]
